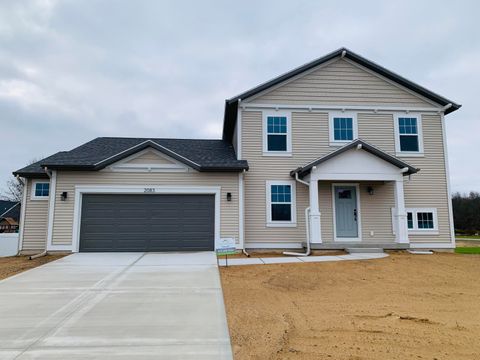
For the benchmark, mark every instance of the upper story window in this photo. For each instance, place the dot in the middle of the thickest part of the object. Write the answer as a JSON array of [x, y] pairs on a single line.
[[277, 134], [343, 128], [40, 190], [281, 203], [408, 135]]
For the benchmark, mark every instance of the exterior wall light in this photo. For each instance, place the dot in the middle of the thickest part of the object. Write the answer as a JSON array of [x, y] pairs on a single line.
[[370, 190], [63, 196], [229, 196]]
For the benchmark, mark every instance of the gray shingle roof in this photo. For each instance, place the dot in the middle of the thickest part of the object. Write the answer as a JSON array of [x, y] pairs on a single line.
[[202, 155], [10, 209]]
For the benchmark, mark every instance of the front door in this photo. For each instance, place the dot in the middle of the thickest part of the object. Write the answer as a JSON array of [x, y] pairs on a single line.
[[346, 212]]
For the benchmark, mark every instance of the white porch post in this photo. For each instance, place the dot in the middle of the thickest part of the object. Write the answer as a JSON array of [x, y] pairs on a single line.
[[315, 227], [400, 214]]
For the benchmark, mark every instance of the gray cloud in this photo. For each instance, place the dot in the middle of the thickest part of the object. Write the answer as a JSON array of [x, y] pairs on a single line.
[[74, 70]]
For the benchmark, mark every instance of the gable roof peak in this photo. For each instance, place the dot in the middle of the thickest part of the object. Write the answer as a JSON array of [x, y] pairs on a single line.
[[231, 105]]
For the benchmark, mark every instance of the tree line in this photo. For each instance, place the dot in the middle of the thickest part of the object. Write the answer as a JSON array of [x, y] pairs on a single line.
[[466, 213]]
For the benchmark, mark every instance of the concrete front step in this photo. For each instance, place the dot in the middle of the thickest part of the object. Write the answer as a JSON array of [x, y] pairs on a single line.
[[364, 250]]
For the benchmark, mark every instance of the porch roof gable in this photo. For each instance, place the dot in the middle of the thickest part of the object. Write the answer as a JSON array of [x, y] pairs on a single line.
[[360, 145]]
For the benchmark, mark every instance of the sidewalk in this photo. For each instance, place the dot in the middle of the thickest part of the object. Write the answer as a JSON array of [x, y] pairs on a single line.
[[299, 259]]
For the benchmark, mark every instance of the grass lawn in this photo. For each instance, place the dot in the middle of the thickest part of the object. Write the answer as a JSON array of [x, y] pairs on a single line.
[[467, 250], [401, 307], [15, 264]]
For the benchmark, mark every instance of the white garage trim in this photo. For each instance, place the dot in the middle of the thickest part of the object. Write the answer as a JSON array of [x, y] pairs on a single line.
[[136, 189]]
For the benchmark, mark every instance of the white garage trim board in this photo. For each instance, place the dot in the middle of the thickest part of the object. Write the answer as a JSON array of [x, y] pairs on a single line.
[[136, 189]]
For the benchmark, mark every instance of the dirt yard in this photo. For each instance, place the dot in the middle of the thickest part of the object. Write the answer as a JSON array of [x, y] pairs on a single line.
[[401, 307], [15, 264]]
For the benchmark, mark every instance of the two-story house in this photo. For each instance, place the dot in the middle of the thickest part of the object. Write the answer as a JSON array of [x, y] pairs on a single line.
[[337, 153]]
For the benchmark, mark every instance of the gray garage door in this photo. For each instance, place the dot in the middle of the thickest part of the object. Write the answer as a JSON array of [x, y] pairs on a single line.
[[147, 222]]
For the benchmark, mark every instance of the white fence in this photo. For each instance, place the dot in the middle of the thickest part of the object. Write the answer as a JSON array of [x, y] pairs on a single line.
[[8, 244]]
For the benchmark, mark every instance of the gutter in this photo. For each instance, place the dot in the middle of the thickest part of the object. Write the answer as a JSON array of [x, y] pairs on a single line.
[[44, 252]]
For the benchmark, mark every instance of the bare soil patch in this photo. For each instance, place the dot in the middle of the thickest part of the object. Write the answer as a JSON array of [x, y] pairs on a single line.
[[401, 307], [16, 264]]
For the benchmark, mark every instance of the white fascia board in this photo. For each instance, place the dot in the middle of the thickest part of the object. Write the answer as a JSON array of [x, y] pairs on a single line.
[[51, 208], [23, 209], [447, 175], [338, 107]]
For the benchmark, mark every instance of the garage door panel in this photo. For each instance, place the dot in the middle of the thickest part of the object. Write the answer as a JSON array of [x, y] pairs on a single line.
[[147, 222]]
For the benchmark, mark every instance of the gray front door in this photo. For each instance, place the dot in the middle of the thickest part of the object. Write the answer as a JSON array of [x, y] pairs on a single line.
[[147, 222], [346, 213]]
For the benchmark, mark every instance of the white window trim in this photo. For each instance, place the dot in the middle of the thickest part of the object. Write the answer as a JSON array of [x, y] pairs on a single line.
[[400, 153], [34, 184], [334, 114], [270, 222], [288, 115], [416, 230]]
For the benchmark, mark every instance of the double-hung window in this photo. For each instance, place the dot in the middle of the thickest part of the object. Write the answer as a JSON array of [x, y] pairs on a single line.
[[281, 203], [421, 220], [343, 128], [277, 134], [40, 190], [408, 130]]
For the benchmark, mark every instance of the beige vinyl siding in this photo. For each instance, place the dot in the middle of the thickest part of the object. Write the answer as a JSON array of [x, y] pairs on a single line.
[[340, 83], [149, 158], [378, 130], [309, 141], [36, 221], [66, 181], [428, 188]]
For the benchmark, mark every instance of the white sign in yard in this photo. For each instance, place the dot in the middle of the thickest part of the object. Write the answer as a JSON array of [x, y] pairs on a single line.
[[226, 246]]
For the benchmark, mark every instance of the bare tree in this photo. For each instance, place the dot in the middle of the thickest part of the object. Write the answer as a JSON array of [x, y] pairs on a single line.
[[13, 190]]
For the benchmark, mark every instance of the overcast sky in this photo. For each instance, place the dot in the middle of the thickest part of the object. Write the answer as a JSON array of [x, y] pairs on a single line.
[[74, 70]]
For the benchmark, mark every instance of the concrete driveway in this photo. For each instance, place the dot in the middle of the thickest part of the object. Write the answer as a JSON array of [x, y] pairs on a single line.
[[116, 306]]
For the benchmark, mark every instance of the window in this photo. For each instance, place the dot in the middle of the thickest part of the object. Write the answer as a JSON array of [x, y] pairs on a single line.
[[343, 128], [408, 134], [40, 190], [425, 220], [420, 220], [277, 134], [281, 203]]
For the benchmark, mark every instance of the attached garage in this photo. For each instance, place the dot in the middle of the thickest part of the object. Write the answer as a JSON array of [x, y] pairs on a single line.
[[147, 222]]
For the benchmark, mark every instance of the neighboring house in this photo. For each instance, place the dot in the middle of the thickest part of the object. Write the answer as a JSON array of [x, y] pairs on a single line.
[[341, 147], [9, 216]]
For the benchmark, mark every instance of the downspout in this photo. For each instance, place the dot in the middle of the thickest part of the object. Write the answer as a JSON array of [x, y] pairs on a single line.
[[307, 225], [307, 228], [44, 252]]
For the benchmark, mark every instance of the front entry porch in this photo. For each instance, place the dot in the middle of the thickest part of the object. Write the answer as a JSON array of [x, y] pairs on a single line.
[[356, 199]]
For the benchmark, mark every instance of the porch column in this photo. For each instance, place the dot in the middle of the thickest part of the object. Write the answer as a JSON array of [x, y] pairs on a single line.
[[401, 233], [315, 227]]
